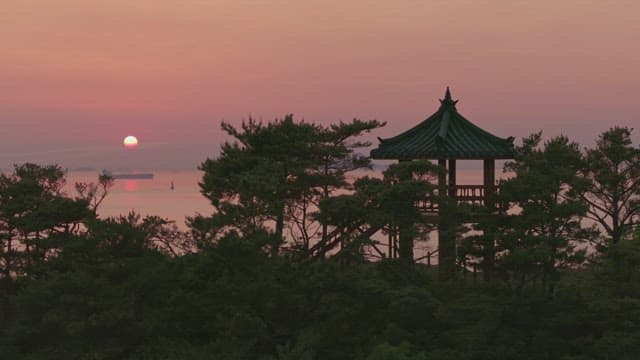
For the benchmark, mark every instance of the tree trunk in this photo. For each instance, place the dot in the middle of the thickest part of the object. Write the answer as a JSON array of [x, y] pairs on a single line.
[[325, 194], [406, 243], [616, 234], [446, 247], [489, 259], [279, 230]]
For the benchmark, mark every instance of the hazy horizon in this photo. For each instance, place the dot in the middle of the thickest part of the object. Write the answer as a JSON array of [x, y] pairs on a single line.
[[76, 77]]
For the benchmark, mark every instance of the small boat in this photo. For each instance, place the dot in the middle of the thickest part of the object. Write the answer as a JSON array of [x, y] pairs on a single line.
[[172, 187], [142, 176]]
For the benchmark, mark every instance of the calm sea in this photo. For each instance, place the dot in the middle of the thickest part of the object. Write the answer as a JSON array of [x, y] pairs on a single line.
[[153, 196]]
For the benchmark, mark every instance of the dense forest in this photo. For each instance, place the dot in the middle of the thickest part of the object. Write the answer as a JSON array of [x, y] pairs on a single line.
[[286, 265]]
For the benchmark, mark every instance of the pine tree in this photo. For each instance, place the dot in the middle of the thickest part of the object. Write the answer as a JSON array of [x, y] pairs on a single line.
[[612, 172]]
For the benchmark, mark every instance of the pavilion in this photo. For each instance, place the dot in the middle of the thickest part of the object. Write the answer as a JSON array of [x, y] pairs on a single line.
[[447, 136]]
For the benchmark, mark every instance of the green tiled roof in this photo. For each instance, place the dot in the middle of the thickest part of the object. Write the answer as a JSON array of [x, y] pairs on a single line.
[[445, 135]]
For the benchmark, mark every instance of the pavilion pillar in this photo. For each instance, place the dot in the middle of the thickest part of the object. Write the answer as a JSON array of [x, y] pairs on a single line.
[[489, 201], [446, 237], [442, 177], [489, 183], [452, 179], [403, 244]]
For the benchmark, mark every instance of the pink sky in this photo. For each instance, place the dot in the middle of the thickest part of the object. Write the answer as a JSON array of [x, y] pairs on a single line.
[[76, 76]]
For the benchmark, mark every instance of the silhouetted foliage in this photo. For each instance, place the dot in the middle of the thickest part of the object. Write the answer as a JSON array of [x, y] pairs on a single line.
[[386, 204], [235, 301], [272, 177], [35, 217], [612, 171], [132, 287], [541, 229]]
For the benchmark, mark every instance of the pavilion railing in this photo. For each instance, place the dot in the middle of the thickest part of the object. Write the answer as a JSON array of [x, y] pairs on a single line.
[[464, 194], [471, 193]]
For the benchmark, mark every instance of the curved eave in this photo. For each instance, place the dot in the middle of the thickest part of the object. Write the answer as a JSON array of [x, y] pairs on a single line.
[[462, 140], [431, 121], [435, 156]]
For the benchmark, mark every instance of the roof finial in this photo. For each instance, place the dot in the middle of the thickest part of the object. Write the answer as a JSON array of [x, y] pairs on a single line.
[[447, 99]]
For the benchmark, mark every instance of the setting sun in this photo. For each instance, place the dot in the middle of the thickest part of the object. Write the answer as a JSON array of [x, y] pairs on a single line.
[[130, 142]]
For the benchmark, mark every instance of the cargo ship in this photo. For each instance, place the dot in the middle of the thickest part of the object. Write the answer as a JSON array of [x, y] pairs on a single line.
[[142, 176]]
